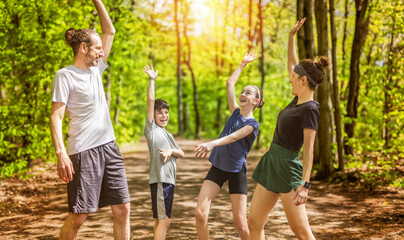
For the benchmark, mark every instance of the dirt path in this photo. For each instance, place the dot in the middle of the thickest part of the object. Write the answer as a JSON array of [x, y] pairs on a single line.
[[36, 208]]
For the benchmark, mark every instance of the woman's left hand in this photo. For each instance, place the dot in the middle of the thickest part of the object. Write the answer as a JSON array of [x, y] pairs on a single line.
[[301, 195], [297, 26]]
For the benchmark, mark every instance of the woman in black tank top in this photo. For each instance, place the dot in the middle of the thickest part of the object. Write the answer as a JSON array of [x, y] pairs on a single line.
[[279, 173]]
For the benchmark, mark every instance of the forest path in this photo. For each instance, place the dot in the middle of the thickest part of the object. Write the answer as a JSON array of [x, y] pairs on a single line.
[[36, 208]]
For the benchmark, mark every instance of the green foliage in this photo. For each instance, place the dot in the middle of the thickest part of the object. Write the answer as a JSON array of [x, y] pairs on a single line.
[[32, 49], [18, 167], [380, 113], [373, 172]]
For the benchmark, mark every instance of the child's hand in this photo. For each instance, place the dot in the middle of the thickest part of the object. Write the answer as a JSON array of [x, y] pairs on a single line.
[[249, 57], [149, 71], [201, 150], [166, 153]]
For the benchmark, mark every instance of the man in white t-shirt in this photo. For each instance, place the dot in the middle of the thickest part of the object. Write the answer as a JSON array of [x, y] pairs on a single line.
[[91, 165]]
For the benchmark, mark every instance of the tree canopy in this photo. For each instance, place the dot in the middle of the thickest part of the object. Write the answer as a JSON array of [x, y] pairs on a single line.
[[213, 37]]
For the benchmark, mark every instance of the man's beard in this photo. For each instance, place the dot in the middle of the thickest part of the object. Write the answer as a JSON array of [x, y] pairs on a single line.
[[91, 61]]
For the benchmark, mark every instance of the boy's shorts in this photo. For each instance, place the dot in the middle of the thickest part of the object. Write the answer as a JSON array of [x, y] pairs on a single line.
[[162, 195], [237, 180], [99, 179]]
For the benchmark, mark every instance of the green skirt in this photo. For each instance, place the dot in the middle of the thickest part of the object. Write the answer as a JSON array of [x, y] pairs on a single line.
[[279, 170]]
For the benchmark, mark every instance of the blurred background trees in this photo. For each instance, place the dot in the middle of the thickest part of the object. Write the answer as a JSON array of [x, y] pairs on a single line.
[[195, 45]]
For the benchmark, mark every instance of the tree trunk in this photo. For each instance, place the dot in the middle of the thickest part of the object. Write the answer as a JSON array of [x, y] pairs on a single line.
[[344, 89], [361, 31], [185, 111], [179, 72], [234, 31], [306, 48], [188, 63], [345, 35], [108, 85], [261, 63], [300, 34], [308, 29], [305, 38], [153, 24], [224, 35], [117, 102], [274, 35], [250, 36], [388, 98], [337, 109], [218, 119], [325, 123]]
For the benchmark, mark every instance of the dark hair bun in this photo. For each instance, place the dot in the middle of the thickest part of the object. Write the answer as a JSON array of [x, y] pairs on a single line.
[[69, 35], [322, 62]]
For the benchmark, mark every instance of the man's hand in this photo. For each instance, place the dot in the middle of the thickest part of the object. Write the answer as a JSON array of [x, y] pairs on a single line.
[[149, 71], [202, 150], [65, 168], [166, 153], [301, 195]]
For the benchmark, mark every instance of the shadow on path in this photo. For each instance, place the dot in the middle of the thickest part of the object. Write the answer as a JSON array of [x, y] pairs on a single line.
[[36, 208]]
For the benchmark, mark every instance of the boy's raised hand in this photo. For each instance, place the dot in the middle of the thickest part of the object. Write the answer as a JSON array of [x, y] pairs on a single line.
[[150, 71], [249, 57]]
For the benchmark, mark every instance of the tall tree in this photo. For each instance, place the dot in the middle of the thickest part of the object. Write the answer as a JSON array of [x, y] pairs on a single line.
[[250, 35], [187, 61], [390, 84], [179, 71], [361, 31], [224, 36], [261, 62], [336, 103], [324, 97], [306, 47], [300, 34], [345, 34], [308, 29], [305, 38]]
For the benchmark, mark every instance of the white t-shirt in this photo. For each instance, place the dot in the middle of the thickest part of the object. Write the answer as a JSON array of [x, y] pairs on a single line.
[[86, 107]]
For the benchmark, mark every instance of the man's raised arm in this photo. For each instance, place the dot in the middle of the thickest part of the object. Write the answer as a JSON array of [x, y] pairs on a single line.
[[107, 28]]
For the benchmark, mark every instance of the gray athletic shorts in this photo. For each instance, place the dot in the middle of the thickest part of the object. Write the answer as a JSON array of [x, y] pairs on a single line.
[[99, 179]]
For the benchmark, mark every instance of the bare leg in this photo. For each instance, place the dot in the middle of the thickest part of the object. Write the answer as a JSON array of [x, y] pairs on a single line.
[[239, 207], [121, 221], [71, 225], [297, 217], [261, 205], [207, 194], [160, 228]]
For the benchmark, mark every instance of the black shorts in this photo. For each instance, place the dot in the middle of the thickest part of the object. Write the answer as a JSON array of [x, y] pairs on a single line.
[[99, 179], [237, 180]]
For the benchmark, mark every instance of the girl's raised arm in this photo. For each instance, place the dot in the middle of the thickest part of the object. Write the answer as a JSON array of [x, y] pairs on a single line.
[[231, 95]]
